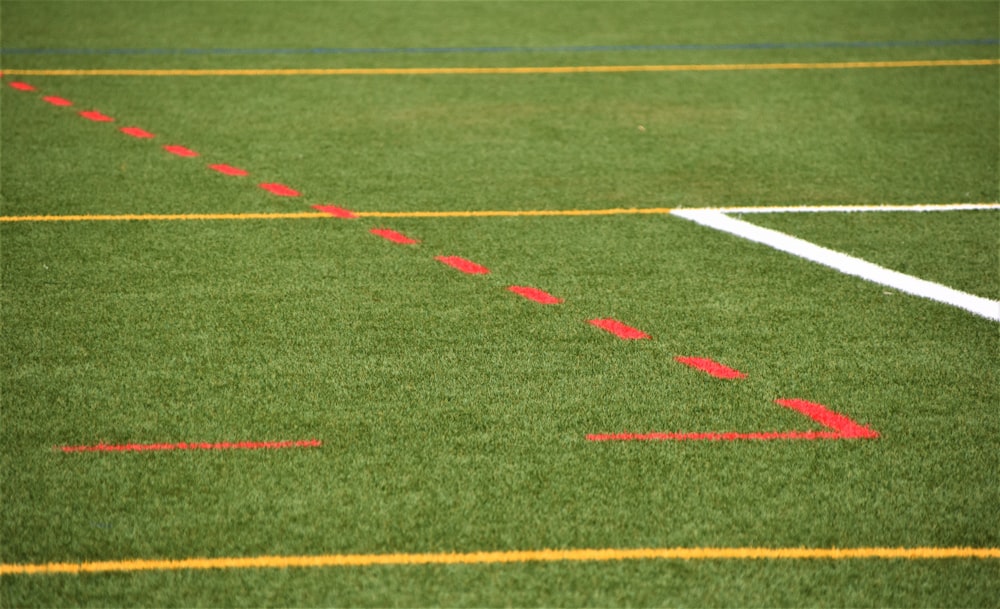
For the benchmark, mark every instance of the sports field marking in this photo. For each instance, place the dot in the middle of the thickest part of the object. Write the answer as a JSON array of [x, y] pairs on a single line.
[[500, 213], [180, 151], [539, 296], [228, 170], [336, 212], [734, 46], [466, 266], [619, 329], [57, 101], [711, 367], [136, 132], [818, 209], [513, 70], [394, 236], [843, 428], [848, 265], [97, 117], [508, 557], [279, 189], [156, 447]]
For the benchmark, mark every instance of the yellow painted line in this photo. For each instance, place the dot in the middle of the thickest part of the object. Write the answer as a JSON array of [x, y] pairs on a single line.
[[151, 217], [514, 213], [308, 214], [491, 558], [724, 67], [512, 557]]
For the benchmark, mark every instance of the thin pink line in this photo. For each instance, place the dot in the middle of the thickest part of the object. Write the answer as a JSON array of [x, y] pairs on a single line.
[[716, 436], [245, 445]]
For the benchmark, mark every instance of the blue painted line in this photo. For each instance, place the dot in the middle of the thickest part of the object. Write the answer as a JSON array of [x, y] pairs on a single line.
[[752, 46]]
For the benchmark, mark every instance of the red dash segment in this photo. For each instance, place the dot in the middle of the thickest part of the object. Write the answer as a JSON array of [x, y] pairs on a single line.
[[57, 101], [466, 266], [393, 236], [191, 446], [711, 367], [96, 116], [845, 427], [180, 151], [333, 210], [540, 296], [21, 86], [280, 189], [228, 170], [619, 329], [136, 132]]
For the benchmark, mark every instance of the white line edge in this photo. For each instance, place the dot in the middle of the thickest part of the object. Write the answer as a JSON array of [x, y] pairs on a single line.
[[717, 219], [919, 207]]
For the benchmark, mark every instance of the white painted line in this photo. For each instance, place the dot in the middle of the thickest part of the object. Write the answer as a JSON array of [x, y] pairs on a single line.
[[858, 208], [849, 265]]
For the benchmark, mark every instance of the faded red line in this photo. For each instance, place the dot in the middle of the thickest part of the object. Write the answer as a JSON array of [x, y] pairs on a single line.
[[21, 86], [711, 367], [57, 101], [333, 210], [844, 426], [136, 132], [393, 236], [180, 151], [715, 436], [540, 296], [96, 116], [280, 189], [228, 170], [619, 329], [191, 446], [466, 266]]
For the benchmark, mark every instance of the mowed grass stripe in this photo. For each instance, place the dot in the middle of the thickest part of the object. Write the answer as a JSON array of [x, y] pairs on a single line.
[[487, 558], [432, 71]]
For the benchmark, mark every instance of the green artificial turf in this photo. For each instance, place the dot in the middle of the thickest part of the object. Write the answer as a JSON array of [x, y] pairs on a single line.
[[453, 413]]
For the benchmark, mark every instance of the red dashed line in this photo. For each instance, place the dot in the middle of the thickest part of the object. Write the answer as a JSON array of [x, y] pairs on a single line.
[[21, 86], [229, 170], [280, 189], [57, 101], [393, 236], [191, 446], [333, 210], [136, 132], [180, 151], [711, 367], [466, 266], [619, 329], [96, 116], [535, 294]]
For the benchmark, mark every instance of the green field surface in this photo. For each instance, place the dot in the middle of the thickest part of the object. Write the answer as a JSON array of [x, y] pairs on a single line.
[[454, 415]]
